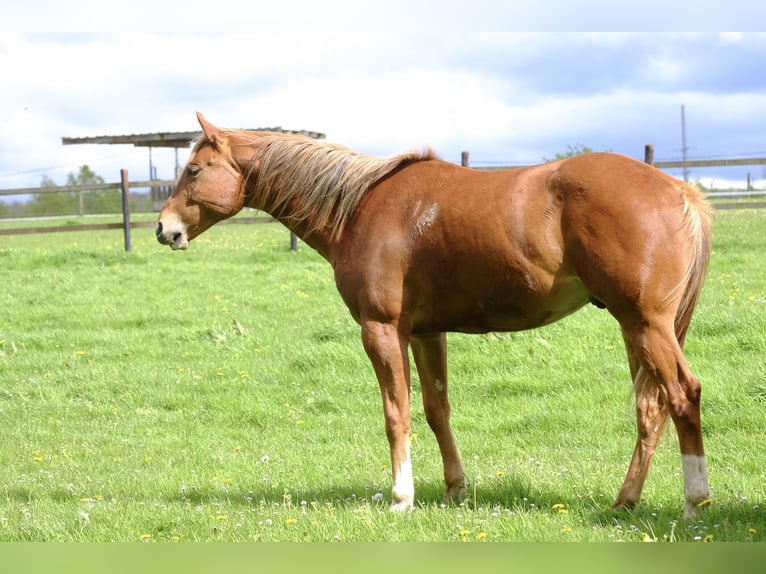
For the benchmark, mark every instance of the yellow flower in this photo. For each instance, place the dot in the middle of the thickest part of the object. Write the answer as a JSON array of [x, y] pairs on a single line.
[[145, 537], [291, 521], [481, 536], [237, 448], [647, 538], [222, 517], [708, 538], [751, 531]]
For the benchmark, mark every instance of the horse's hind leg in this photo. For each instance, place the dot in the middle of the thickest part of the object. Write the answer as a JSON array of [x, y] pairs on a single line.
[[678, 390], [430, 354], [651, 414]]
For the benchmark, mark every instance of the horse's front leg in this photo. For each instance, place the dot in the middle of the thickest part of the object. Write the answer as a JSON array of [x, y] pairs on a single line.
[[430, 352], [387, 350]]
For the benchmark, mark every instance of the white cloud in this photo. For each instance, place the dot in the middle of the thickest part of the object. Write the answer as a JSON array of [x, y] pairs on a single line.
[[503, 97]]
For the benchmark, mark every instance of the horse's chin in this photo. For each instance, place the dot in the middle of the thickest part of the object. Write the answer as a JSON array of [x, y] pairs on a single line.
[[180, 244]]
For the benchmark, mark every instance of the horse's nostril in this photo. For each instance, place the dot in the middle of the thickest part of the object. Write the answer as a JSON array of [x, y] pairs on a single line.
[[158, 231], [176, 237]]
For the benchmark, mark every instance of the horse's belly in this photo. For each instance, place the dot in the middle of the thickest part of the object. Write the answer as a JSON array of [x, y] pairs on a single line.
[[510, 312]]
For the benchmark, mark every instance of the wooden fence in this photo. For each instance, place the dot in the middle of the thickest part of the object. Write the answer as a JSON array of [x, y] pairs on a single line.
[[123, 185], [126, 225], [761, 195]]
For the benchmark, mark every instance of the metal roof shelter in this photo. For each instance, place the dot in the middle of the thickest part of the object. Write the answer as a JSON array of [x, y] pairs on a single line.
[[174, 140]]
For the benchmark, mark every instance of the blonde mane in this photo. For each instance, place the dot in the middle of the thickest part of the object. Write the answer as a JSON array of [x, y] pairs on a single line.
[[321, 182]]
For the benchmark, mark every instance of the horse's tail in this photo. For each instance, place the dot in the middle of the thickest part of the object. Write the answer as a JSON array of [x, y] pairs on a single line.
[[699, 217]]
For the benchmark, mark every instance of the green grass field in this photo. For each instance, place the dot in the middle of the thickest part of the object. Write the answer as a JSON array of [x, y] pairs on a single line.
[[222, 394]]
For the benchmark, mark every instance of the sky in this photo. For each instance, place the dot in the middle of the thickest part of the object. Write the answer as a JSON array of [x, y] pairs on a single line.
[[507, 97]]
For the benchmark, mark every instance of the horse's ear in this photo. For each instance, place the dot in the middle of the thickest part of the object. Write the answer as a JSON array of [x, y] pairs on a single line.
[[211, 132]]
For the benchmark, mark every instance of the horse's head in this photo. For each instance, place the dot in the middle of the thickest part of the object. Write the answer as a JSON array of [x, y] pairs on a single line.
[[210, 189]]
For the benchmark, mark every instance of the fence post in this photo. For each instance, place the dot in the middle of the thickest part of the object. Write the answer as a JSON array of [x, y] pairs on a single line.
[[649, 154], [125, 207], [464, 159]]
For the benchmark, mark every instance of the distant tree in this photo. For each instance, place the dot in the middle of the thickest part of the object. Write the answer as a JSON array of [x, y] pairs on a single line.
[[50, 203], [46, 181], [572, 150], [75, 202], [97, 200]]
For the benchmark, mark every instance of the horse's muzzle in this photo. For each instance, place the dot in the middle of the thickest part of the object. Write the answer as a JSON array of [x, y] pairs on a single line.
[[176, 239]]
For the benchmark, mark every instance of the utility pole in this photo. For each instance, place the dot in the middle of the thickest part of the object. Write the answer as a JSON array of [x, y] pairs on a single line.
[[683, 142]]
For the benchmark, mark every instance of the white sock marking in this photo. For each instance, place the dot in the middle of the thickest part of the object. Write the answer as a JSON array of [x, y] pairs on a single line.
[[403, 492], [696, 487]]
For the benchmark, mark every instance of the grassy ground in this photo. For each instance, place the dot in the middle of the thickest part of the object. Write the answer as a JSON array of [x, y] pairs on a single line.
[[223, 394]]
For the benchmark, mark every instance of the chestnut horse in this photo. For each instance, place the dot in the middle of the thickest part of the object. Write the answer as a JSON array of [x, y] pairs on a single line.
[[420, 247]]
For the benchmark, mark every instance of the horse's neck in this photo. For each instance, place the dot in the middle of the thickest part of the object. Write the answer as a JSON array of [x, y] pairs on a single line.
[[318, 239]]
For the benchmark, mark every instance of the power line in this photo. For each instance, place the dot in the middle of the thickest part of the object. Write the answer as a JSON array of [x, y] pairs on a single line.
[[7, 175]]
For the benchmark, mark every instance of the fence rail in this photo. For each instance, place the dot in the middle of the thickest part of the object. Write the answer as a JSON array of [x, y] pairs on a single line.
[[710, 162], [90, 187]]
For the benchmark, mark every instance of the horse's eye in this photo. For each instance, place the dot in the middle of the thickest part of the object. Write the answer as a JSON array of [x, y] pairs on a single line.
[[193, 170]]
